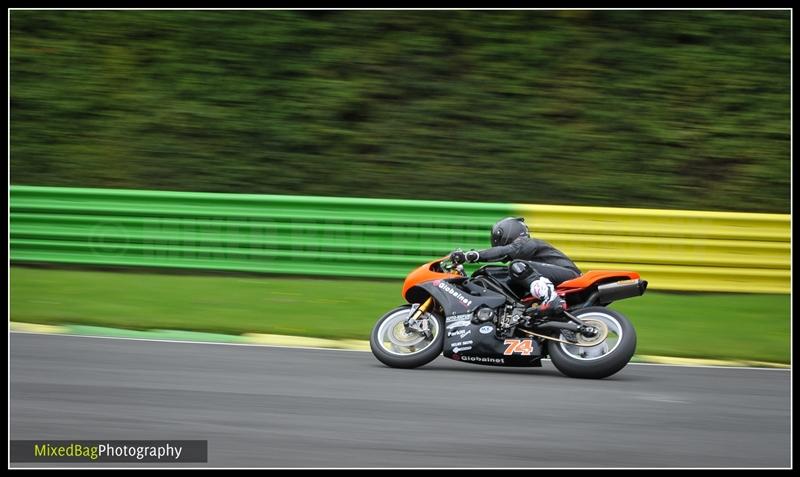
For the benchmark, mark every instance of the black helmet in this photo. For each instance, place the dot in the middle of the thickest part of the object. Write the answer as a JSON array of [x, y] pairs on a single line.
[[507, 230]]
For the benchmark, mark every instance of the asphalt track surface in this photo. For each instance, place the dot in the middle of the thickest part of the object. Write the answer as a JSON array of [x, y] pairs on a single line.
[[281, 407]]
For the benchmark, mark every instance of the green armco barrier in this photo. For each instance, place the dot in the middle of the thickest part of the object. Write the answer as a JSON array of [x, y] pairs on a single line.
[[385, 238], [255, 233]]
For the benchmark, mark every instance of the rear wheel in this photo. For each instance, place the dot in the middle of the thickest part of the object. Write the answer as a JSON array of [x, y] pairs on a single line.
[[611, 352], [398, 347]]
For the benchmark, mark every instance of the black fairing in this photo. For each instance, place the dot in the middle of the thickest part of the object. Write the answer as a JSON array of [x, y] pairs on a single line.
[[478, 343], [471, 341], [456, 299]]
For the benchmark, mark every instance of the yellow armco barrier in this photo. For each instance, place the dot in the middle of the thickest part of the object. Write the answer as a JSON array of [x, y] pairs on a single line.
[[673, 249]]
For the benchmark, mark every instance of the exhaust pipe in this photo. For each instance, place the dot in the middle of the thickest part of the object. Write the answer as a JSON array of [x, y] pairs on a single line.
[[617, 291]]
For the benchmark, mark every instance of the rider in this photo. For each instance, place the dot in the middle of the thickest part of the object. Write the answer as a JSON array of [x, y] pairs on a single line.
[[535, 264]]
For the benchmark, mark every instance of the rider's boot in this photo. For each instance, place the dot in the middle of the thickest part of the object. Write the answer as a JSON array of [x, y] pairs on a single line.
[[550, 303]]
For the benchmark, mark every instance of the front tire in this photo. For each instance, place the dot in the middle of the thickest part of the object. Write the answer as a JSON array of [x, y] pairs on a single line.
[[398, 349], [602, 360]]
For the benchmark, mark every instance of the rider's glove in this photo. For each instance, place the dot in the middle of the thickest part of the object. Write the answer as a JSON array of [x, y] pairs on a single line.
[[458, 257], [472, 256]]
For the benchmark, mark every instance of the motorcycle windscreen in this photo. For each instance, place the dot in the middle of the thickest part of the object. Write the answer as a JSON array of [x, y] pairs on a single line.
[[478, 343]]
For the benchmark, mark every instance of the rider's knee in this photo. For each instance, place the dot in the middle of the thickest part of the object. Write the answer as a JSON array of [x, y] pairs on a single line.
[[522, 271]]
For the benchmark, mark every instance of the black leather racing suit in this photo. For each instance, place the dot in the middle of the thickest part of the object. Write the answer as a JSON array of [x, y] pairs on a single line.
[[538, 258]]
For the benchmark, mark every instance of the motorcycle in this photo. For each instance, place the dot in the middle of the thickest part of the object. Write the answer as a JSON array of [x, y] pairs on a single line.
[[482, 319]]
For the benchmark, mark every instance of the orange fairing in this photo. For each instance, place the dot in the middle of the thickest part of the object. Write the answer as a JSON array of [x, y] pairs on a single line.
[[589, 278], [425, 274]]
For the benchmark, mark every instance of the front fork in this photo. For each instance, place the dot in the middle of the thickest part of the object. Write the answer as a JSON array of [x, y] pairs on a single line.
[[421, 309], [412, 322]]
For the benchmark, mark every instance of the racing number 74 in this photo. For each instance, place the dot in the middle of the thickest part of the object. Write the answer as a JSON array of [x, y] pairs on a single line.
[[523, 347]]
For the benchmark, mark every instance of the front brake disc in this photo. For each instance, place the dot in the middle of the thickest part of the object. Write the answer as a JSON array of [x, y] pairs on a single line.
[[400, 337]]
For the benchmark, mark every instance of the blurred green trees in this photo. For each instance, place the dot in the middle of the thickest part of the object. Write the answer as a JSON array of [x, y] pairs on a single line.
[[668, 109]]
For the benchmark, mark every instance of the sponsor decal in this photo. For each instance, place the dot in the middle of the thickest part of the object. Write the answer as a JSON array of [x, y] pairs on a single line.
[[523, 347], [450, 319], [458, 324], [464, 348], [486, 329], [460, 333], [481, 359], [455, 357], [459, 343], [454, 293]]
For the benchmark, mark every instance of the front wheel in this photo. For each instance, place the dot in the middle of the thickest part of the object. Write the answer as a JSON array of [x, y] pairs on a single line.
[[398, 347], [603, 359]]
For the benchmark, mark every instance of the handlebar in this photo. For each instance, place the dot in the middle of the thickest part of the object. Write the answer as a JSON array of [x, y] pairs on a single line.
[[448, 266]]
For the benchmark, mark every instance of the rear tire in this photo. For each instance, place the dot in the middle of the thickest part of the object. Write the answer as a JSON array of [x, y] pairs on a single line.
[[413, 359], [597, 367]]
